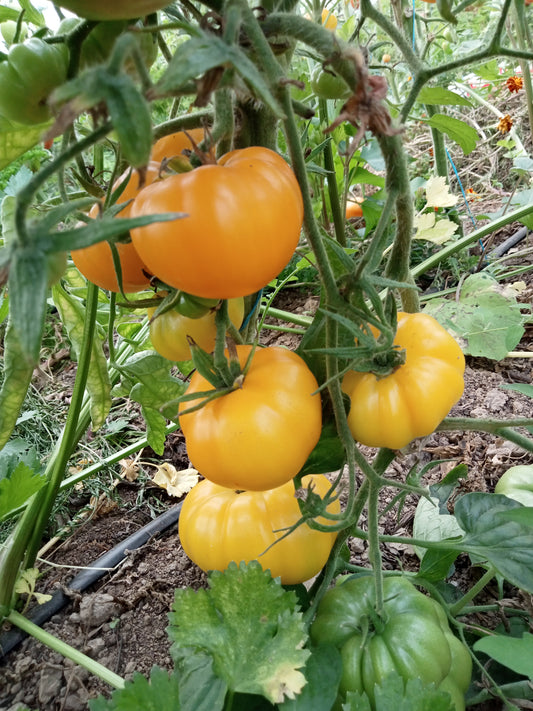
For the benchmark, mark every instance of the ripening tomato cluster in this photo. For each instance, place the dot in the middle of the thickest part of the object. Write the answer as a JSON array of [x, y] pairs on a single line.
[[249, 444], [237, 224]]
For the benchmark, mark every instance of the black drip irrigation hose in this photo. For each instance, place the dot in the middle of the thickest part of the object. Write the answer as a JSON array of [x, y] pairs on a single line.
[[509, 243], [96, 570]]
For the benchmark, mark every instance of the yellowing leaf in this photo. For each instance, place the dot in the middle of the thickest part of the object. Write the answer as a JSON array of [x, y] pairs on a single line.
[[175, 482], [287, 683], [438, 193], [433, 230], [130, 469]]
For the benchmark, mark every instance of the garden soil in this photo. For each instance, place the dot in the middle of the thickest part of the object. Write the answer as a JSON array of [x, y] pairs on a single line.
[[120, 621]]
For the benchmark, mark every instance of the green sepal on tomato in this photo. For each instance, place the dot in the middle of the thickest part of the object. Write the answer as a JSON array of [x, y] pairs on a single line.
[[517, 484], [412, 638], [220, 525], [32, 70], [413, 400], [240, 224], [170, 331], [259, 435]]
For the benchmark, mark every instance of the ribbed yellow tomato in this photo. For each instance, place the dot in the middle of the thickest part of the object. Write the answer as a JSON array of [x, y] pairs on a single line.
[[415, 398], [241, 224], [175, 143], [259, 435], [219, 525]]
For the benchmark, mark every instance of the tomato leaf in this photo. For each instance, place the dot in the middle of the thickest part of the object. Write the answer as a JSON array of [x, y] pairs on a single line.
[[394, 693], [72, 313], [492, 538], [515, 653], [323, 672], [17, 487], [204, 53], [439, 96], [459, 131], [328, 455], [250, 626], [17, 377], [16, 139], [159, 693]]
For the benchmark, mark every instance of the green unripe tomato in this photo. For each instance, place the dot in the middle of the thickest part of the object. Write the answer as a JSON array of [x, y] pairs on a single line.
[[517, 484], [56, 264], [194, 306], [30, 73], [112, 9], [9, 28], [327, 85]]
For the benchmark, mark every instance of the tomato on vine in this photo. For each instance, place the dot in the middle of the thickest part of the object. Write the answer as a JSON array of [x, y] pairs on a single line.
[[241, 223], [96, 262], [411, 401], [170, 331], [175, 143], [32, 70], [259, 435], [112, 9], [219, 525], [328, 85]]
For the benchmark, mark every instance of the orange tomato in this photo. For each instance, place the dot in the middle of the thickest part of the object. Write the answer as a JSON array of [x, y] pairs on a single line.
[[241, 224], [175, 143], [96, 262], [353, 209], [386, 58]]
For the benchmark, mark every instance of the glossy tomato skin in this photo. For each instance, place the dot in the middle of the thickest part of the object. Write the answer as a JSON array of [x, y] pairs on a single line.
[[414, 639], [32, 70], [415, 398], [242, 223], [169, 331], [219, 525], [517, 484], [175, 143], [353, 209], [96, 262], [112, 9], [259, 435]]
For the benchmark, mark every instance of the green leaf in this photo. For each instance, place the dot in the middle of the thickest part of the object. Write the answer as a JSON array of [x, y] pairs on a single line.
[[250, 626], [31, 14], [328, 454], [18, 371], [72, 313], [363, 176], [27, 298], [199, 688], [323, 672], [491, 537], [438, 95], [155, 427], [394, 693], [155, 388], [514, 653], [203, 53], [16, 139], [459, 131], [17, 487], [486, 318], [431, 525], [159, 693]]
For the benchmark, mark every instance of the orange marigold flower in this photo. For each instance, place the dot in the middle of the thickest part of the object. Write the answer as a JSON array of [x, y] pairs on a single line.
[[505, 124], [514, 84]]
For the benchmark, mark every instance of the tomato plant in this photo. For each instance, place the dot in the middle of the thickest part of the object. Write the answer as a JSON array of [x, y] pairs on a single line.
[[329, 20], [411, 401], [219, 525], [517, 484], [241, 224], [96, 262], [175, 143], [170, 331], [328, 85], [412, 637], [259, 435], [116, 10], [28, 76]]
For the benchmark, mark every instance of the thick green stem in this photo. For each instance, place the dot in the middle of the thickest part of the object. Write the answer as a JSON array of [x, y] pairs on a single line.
[[439, 146], [66, 650], [399, 263], [500, 428], [329, 165], [485, 579]]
